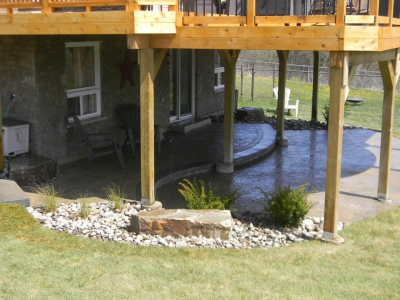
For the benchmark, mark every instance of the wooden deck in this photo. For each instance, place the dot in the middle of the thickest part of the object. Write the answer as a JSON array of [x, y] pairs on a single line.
[[168, 25]]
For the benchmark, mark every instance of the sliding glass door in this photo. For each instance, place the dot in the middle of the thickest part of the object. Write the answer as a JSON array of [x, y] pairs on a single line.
[[181, 84]]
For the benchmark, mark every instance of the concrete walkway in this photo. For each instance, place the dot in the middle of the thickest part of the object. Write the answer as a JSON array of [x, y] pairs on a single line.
[[303, 161]]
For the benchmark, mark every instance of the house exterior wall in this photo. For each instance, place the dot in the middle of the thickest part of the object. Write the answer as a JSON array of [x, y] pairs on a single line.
[[207, 101], [32, 67]]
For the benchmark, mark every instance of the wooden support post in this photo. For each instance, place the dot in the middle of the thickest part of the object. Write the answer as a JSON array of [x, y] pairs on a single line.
[[389, 82], [280, 122], [352, 74], [228, 58], [146, 62], [314, 109], [338, 81], [1, 142]]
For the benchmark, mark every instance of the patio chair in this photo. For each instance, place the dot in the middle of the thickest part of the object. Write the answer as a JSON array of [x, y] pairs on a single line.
[[129, 116], [287, 99], [99, 144]]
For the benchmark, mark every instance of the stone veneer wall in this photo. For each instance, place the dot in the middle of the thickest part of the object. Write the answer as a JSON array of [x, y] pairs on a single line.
[[33, 69], [207, 101]]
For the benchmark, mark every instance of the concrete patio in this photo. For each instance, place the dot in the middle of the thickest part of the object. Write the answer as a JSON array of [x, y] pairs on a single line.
[[257, 164]]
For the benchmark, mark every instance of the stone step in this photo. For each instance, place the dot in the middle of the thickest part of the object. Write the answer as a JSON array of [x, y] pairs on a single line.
[[10, 192]]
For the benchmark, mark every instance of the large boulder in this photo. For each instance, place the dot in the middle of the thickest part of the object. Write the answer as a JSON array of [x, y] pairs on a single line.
[[176, 222]]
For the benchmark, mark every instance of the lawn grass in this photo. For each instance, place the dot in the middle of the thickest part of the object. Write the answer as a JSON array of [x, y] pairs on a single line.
[[37, 263], [369, 115]]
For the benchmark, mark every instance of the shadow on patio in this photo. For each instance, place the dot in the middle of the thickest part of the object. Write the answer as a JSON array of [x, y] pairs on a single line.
[[303, 161]]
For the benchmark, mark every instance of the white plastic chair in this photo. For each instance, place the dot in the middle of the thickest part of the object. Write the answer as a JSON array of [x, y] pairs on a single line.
[[287, 99]]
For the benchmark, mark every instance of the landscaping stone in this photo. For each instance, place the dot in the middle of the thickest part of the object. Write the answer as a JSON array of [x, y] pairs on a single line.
[[176, 222], [250, 113], [249, 230]]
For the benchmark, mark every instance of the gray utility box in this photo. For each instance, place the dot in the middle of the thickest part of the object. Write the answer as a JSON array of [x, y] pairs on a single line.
[[15, 137]]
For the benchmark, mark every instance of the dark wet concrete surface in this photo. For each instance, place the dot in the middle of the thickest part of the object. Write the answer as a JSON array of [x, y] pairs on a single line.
[[302, 161]]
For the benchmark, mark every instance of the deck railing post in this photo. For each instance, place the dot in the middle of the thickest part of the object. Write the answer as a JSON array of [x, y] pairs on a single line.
[[45, 7], [340, 12], [374, 10], [390, 12], [251, 12]]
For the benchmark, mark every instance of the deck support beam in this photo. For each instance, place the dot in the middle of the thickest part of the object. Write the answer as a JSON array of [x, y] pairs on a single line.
[[338, 82], [228, 59], [146, 62], [280, 122], [314, 109], [389, 77]]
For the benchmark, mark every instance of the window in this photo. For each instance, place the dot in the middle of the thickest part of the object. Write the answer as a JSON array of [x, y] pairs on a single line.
[[219, 78], [219, 74], [82, 66]]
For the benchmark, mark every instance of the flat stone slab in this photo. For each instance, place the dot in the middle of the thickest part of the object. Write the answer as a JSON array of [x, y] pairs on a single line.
[[176, 222], [10, 192], [250, 113]]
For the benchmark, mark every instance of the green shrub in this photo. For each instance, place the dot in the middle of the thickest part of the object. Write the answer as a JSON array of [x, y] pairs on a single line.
[[115, 195], [197, 196], [325, 113], [49, 196], [287, 207]]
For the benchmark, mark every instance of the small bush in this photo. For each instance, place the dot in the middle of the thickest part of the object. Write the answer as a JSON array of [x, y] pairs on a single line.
[[197, 196], [325, 113], [49, 196], [115, 196], [287, 207]]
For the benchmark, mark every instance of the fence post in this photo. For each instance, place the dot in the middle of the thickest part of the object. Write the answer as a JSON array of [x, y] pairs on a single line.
[[252, 83], [273, 80], [241, 80]]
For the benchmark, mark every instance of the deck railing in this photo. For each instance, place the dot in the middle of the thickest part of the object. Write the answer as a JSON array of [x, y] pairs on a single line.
[[234, 12]]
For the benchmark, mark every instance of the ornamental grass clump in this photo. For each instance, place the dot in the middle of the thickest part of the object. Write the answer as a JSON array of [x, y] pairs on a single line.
[[288, 207], [115, 195], [83, 205], [198, 196], [49, 195]]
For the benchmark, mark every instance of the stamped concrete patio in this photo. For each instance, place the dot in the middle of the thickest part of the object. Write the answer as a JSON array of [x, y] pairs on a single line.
[[257, 165]]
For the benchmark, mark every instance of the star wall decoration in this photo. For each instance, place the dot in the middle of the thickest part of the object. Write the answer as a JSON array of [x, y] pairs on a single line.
[[126, 69]]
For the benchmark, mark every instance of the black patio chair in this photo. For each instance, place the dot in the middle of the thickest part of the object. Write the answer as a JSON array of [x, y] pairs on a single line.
[[129, 116], [99, 144]]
